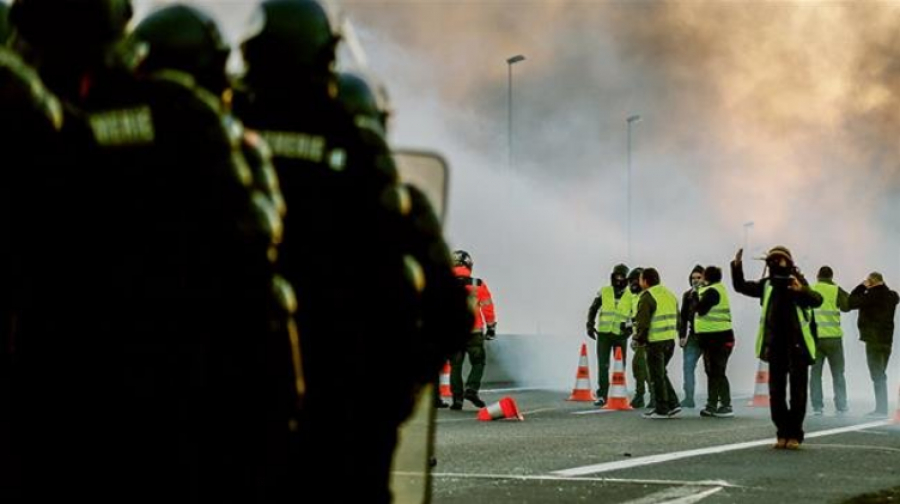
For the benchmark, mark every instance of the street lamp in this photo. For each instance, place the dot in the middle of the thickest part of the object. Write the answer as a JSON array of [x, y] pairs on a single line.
[[510, 62], [633, 119], [747, 226]]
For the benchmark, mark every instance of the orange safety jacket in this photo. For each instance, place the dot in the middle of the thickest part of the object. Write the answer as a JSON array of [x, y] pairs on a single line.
[[479, 298]]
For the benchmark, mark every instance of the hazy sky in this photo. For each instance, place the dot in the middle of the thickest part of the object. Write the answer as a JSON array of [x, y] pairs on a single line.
[[781, 113]]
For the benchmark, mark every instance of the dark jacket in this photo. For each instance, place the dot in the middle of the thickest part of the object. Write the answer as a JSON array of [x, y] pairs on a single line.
[[686, 314], [782, 327], [876, 313]]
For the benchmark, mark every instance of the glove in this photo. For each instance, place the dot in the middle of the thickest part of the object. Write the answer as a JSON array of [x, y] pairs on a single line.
[[592, 333], [491, 332]]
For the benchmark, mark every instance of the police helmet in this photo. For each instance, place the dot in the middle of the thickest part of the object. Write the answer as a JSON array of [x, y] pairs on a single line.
[[362, 96], [463, 258], [181, 37], [290, 38], [74, 29]]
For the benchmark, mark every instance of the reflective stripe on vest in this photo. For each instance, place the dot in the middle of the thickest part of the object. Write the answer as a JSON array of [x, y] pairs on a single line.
[[610, 320], [801, 316], [828, 317], [719, 316], [664, 324]]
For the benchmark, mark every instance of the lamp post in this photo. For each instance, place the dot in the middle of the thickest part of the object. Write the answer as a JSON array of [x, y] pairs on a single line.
[[633, 119], [509, 126]]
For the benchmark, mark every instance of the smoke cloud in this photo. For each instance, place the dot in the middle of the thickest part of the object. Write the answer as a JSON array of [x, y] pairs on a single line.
[[781, 113]]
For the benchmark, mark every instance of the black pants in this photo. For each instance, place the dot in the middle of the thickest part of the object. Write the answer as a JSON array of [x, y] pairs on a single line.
[[477, 358], [659, 353], [606, 345], [877, 356], [832, 350], [788, 368], [715, 362]]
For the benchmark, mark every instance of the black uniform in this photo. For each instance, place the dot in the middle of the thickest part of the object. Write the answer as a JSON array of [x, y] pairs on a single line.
[[345, 251], [143, 310]]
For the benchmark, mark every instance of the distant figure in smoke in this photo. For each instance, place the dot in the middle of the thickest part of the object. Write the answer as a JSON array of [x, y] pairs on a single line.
[[611, 329], [656, 327], [485, 328], [829, 344], [785, 339], [876, 304], [687, 335]]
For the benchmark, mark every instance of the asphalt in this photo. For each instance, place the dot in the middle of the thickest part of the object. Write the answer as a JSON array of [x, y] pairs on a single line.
[[565, 452]]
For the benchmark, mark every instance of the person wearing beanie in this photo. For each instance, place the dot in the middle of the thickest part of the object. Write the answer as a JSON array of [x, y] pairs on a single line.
[[687, 336], [830, 344], [876, 304], [785, 338], [607, 325], [713, 325]]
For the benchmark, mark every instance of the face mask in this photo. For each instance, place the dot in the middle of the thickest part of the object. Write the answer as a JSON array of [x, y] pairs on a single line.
[[619, 283], [635, 287], [696, 283]]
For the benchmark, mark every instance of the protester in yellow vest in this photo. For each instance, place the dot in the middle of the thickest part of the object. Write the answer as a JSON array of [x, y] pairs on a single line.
[[656, 327], [785, 339], [639, 369], [830, 344], [613, 304], [712, 322]]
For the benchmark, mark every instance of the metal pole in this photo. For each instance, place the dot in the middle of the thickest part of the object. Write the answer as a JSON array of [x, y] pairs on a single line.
[[629, 191], [509, 141]]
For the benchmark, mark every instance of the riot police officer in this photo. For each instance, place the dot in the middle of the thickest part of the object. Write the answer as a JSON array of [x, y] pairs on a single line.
[[144, 316], [346, 250]]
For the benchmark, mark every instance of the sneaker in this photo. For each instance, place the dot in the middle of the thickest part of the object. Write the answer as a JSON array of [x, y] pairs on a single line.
[[792, 444], [456, 406], [674, 411], [780, 444], [653, 415], [688, 403], [724, 412], [708, 412], [637, 402], [600, 402], [817, 412], [651, 404], [473, 398]]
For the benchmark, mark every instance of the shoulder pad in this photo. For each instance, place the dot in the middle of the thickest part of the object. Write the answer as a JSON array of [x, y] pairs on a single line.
[[21, 85]]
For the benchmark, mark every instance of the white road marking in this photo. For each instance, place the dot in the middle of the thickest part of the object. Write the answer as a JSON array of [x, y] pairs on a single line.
[[550, 477], [668, 457], [505, 390], [592, 412], [677, 495]]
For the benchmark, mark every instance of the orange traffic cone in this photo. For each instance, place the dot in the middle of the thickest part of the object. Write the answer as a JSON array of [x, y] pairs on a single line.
[[504, 408], [445, 381], [761, 389], [582, 390], [618, 393]]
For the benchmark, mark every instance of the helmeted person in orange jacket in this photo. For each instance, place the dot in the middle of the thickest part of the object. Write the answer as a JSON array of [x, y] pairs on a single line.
[[485, 329]]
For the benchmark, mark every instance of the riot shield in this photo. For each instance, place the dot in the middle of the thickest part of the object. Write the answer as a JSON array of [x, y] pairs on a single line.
[[411, 472]]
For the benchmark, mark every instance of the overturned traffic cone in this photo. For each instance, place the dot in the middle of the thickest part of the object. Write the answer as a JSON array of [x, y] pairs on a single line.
[[504, 408], [618, 392], [445, 381], [582, 391], [761, 389]]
